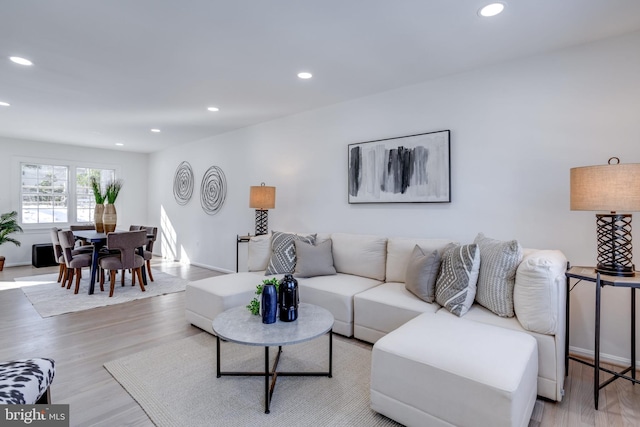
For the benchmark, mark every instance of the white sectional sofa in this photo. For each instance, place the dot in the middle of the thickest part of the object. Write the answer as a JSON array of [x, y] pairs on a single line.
[[368, 299]]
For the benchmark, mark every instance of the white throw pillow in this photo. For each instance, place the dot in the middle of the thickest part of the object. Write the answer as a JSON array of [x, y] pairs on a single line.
[[259, 252], [540, 290]]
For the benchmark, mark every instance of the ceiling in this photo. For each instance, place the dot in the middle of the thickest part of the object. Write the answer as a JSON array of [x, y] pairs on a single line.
[[107, 72]]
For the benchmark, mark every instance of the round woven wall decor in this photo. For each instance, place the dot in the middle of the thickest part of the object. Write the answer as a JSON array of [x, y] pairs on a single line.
[[213, 190], [183, 183]]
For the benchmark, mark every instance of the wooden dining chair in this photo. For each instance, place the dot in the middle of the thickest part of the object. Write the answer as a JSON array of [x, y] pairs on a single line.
[[127, 243], [74, 261], [59, 255]]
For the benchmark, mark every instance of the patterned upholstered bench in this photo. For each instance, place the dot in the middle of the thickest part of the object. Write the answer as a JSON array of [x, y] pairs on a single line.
[[26, 381]]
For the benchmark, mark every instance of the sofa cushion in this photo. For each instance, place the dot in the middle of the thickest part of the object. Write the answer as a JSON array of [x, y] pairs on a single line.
[[456, 282], [314, 260], [259, 252], [536, 294], [384, 308], [422, 272], [360, 255], [399, 250], [335, 293], [283, 251], [498, 263], [548, 375]]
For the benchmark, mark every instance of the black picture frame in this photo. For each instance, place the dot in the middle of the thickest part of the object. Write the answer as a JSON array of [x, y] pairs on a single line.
[[405, 169]]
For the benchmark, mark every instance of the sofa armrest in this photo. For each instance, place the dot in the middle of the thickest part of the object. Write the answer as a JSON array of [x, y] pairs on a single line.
[[539, 291]]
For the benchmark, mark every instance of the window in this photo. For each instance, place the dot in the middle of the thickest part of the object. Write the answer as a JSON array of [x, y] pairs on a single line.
[[53, 194], [85, 200], [44, 193]]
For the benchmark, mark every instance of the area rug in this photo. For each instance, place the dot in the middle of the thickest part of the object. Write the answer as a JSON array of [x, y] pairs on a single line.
[[50, 299], [176, 385]]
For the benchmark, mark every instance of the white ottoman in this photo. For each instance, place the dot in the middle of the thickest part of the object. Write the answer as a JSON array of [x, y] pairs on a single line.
[[443, 371], [206, 298]]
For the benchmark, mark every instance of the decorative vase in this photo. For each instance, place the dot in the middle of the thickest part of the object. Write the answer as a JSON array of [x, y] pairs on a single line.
[[269, 304], [97, 217], [289, 298], [1, 262], [109, 218]]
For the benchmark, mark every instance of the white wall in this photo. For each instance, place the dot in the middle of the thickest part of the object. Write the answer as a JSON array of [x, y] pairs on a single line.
[[131, 204], [516, 130]]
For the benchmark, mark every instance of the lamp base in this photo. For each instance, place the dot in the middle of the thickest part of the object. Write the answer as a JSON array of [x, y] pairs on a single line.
[[610, 271], [615, 250], [262, 222]]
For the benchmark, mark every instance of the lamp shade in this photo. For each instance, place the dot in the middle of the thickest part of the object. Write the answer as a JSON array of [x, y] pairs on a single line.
[[262, 197], [611, 187]]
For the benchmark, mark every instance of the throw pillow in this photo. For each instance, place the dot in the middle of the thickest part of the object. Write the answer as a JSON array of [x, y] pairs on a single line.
[[422, 272], [499, 261], [314, 260], [456, 282], [283, 252]]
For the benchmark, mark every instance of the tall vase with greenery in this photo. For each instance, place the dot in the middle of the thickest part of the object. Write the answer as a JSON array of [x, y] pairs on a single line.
[[99, 209], [8, 225], [110, 216]]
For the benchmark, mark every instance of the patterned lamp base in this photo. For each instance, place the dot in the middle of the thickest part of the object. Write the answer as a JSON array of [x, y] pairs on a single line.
[[262, 222]]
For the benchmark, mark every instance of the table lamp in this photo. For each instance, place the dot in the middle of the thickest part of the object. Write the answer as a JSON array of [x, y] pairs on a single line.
[[613, 187], [262, 198]]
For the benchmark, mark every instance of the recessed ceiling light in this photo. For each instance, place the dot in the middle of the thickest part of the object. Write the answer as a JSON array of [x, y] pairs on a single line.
[[305, 75], [21, 61], [4, 104], [119, 144], [213, 109], [155, 130], [491, 9]]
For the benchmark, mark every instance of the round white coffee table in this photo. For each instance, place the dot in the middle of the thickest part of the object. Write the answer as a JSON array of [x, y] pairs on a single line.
[[239, 326]]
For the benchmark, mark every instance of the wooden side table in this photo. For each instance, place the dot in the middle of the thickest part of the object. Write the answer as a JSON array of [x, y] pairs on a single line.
[[590, 275]]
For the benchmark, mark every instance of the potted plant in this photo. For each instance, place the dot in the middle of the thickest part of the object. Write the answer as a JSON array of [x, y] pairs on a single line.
[[99, 209], [8, 225], [110, 216]]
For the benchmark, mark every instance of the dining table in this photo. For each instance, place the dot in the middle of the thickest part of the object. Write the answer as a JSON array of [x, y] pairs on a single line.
[[99, 241]]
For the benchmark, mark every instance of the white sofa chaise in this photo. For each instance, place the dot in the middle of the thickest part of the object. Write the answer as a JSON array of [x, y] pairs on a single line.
[[368, 298]]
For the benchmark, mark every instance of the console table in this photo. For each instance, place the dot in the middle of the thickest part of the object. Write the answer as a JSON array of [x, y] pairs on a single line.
[[590, 275], [240, 239]]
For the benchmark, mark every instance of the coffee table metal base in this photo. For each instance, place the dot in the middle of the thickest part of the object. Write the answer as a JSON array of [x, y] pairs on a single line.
[[271, 376]]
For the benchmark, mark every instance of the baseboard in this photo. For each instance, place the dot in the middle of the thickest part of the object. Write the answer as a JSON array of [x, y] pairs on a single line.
[[212, 267], [604, 357]]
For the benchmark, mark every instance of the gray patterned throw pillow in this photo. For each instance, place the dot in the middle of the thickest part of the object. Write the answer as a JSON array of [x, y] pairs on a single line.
[[456, 283], [283, 252], [498, 265]]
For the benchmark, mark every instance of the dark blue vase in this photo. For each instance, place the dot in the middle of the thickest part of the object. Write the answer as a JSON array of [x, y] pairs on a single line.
[[269, 304], [289, 298]]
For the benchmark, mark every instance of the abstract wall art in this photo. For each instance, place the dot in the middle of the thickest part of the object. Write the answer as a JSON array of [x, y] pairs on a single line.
[[183, 183], [213, 190], [407, 169]]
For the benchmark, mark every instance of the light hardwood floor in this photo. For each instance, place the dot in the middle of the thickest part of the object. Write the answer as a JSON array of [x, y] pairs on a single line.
[[82, 342]]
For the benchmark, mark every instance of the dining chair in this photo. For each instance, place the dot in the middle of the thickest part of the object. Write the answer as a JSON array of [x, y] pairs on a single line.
[[127, 243], [82, 245], [152, 235], [74, 261], [59, 255]]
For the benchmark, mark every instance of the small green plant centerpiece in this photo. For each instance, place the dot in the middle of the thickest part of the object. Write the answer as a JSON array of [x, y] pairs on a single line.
[[8, 225], [254, 305]]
